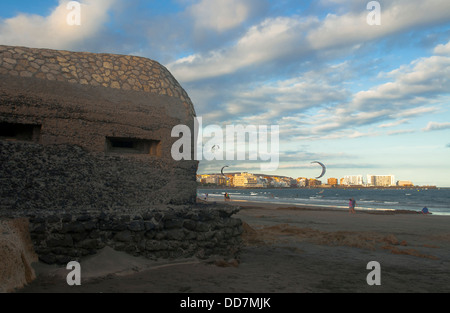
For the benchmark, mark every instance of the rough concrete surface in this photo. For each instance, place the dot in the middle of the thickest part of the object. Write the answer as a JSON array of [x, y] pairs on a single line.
[[16, 255]]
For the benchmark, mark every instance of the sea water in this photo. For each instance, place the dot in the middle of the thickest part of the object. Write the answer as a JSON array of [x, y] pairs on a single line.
[[436, 200]]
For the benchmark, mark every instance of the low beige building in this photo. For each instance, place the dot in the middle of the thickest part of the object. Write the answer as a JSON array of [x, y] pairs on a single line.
[[246, 180]]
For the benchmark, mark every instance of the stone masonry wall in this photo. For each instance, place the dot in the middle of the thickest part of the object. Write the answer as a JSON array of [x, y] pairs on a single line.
[[165, 232], [122, 72], [78, 202], [65, 177]]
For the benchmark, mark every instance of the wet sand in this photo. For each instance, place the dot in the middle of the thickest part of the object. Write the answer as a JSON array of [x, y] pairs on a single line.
[[286, 250]]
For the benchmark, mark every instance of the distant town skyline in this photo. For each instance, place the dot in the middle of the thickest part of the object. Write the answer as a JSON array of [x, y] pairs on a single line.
[[357, 96], [261, 180]]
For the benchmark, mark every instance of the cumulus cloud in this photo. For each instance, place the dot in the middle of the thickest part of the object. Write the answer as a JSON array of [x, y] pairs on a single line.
[[424, 77], [53, 31], [401, 132], [418, 111], [442, 49], [284, 101], [414, 86], [411, 93], [272, 39], [317, 105], [436, 126], [393, 124], [294, 95], [295, 37], [396, 16], [220, 15]]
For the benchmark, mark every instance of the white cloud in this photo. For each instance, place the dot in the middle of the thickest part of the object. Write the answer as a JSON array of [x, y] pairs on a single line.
[[319, 104], [272, 39], [443, 49], [436, 126], [401, 132], [53, 31], [294, 37], [413, 85], [220, 15], [271, 102], [417, 111], [414, 88], [352, 28], [393, 124]]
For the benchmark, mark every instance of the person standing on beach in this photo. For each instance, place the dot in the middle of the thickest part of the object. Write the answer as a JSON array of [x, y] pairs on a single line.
[[351, 205]]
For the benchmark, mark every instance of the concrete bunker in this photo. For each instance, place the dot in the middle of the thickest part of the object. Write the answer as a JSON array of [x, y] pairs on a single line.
[[133, 146], [22, 132], [85, 143]]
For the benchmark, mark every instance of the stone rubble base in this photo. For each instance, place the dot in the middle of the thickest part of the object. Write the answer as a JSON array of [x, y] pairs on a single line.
[[198, 230]]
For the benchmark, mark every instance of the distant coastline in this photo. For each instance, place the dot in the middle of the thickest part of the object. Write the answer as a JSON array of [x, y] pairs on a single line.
[[210, 186]]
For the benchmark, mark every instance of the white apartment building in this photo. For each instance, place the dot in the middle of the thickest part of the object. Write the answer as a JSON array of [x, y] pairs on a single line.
[[381, 180], [352, 180]]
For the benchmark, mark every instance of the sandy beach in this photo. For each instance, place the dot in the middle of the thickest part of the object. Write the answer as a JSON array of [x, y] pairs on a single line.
[[286, 250]]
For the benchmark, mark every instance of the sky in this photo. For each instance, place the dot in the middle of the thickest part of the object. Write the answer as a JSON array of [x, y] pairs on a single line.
[[359, 96]]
